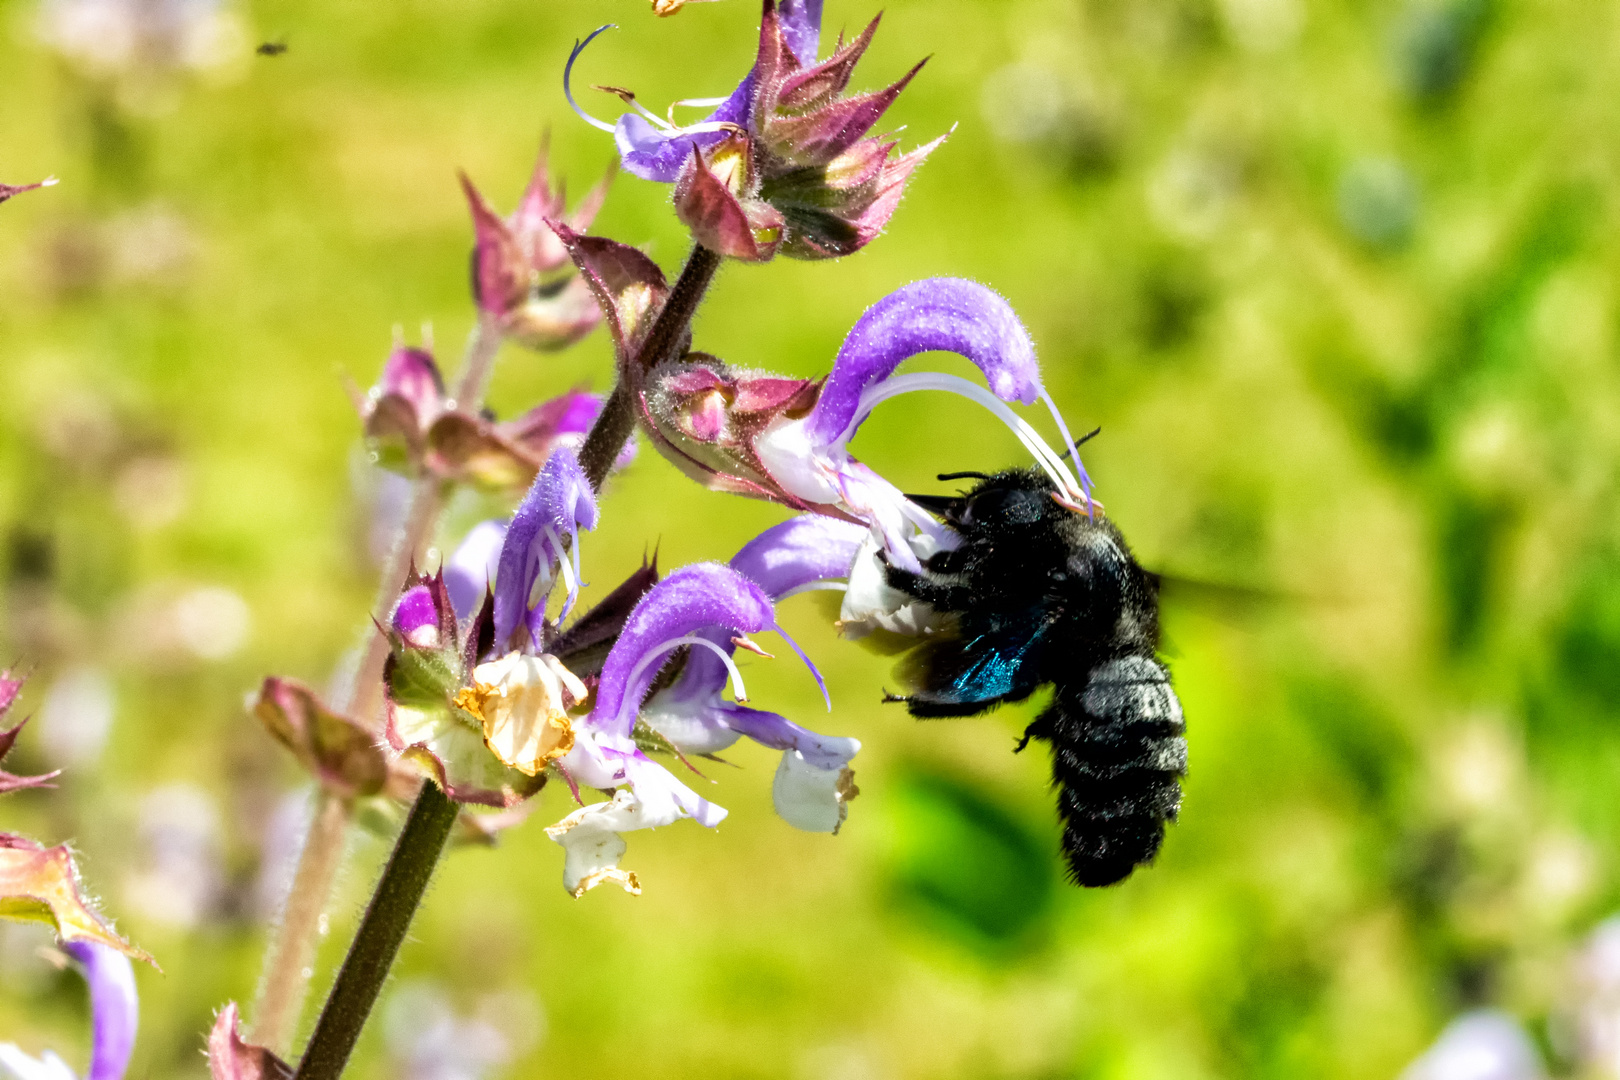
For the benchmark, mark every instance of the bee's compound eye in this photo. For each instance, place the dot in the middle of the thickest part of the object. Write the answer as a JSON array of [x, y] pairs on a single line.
[[1004, 506]]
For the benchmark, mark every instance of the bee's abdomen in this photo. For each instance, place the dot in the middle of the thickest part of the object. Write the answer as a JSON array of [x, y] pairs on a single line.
[[1118, 753]]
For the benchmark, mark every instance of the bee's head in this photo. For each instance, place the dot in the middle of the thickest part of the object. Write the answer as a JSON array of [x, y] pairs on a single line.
[[1010, 501]]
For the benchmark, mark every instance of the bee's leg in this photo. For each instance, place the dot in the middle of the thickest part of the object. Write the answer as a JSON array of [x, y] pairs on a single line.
[[943, 597], [946, 562], [1038, 728]]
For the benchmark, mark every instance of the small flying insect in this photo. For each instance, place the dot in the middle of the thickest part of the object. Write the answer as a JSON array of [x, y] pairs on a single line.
[[1038, 593], [272, 48]]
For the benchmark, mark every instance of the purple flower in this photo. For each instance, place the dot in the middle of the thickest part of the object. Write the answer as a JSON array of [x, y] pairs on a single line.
[[699, 607], [542, 541], [793, 446], [114, 1016], [811, 789], [785, 162]]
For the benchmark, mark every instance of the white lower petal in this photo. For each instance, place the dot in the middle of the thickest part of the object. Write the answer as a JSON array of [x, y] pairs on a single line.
[[590, 836], [871, 603], [810, 797], [593, 847], [691, 727], [801, 469]]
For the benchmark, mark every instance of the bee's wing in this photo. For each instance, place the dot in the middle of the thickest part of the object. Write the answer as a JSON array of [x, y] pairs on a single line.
[[959, 676]]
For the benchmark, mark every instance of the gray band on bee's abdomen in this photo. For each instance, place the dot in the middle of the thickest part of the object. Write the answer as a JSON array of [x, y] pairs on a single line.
[[1134, 689]]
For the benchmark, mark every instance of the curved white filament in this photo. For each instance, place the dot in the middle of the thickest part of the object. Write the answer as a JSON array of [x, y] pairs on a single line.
[[813, 586], [693, 103], [569, 573], [738, 691], [1050, 463]]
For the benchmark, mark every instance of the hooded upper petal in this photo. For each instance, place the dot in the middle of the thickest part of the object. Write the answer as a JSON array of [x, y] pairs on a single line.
[[933, 315], [558, 505], [691, 599]]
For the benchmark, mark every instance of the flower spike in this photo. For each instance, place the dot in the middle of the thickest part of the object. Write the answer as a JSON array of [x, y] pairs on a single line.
[[786, 163]]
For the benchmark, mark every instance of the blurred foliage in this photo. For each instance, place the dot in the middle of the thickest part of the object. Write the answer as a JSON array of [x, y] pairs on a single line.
[[1337, 280]]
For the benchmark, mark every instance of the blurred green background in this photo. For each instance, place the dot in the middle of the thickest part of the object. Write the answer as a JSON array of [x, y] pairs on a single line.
[[1337, 279]]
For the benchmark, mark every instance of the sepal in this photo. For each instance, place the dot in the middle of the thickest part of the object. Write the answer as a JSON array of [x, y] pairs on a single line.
[[230, 1057], [412, 427], [336, 749], [423, 679], [10, 687], [8, 191], [628, 286], [519, 264], [40, 884], [715, 197], [706, 417]]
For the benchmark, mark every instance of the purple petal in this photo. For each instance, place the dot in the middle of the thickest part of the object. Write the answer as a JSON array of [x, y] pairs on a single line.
[[415, 613], [780, 733], [114, 1008], [801, 550], [579, 412], [694, 598], [801, 27], [561, 499], [470, 570], [658, 155], [943, 314]]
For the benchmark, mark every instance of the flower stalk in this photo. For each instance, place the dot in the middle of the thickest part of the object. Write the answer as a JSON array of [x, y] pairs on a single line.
[[281, 998], [669, 333], [404, 881], [292, 948], [382, 929]]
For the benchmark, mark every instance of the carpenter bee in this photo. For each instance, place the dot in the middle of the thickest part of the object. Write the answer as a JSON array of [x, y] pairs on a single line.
[[1035, 594]]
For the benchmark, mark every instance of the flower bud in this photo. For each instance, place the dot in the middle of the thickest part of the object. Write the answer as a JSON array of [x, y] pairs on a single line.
[[521, 271]]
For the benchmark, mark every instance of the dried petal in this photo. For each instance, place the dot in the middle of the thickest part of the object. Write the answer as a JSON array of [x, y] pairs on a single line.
[[522, 702], [812, 797]]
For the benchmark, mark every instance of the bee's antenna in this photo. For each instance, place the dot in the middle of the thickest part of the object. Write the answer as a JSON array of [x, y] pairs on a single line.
[[1078, 443], [963, 476]]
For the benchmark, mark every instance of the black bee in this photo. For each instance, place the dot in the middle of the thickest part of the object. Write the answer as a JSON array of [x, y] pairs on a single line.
[[1041, 594]]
